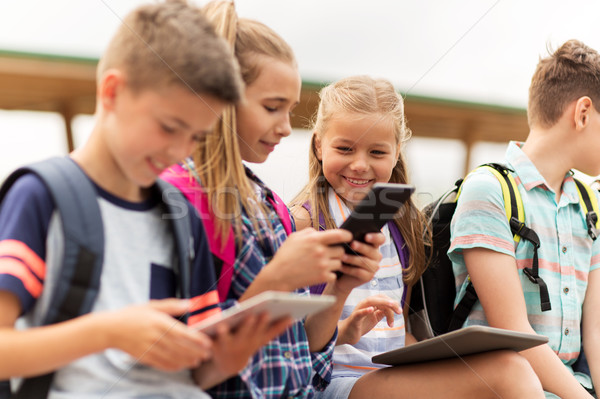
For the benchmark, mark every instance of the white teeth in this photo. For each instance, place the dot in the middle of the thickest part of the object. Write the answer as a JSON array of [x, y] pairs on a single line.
[[158, 165], [357, 181]]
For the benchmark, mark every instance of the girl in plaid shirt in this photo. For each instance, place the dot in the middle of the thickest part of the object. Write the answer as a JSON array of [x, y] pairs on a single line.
[[265, 257]]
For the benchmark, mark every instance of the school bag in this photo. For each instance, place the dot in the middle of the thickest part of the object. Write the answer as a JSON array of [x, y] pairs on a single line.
[[184, 177], [431, 310], [78, 286]]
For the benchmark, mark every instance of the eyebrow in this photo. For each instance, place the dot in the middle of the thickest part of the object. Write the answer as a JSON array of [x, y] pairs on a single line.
[[178, 121], [342, 140], [282, 100]]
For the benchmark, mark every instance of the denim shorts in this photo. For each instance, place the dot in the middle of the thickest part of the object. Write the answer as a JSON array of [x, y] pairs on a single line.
[[338, 388]]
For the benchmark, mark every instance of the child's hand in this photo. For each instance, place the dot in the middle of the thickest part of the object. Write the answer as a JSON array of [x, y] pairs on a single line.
[[232, 349], [151, 335], [365, 316], [306, 258], [360, 268]]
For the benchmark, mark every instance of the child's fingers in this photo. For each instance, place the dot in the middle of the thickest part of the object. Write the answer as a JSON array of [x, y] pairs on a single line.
[[381, 301], [171, 306], [389, 315], [364, 312], [360, 263], [366, 250], [335, 236], [375, 239]]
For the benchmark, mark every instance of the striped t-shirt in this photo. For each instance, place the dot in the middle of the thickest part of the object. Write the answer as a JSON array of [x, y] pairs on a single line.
[[355, 360], [566, 255]]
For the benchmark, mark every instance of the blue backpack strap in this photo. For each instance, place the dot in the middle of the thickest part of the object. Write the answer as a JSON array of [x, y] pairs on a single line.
[[176, 203], [78, 283]]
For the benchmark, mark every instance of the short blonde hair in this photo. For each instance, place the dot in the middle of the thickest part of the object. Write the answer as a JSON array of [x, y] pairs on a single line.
[[173, 43], [571, 72]]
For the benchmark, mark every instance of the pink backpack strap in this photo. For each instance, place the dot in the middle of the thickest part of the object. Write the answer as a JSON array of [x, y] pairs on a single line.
[[282, 212], [187, 184]]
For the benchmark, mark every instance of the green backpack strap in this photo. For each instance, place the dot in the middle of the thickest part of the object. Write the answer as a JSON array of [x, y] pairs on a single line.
[[589, 206]]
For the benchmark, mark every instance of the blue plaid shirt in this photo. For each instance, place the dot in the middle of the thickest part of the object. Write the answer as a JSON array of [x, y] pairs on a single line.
[[284, 367]]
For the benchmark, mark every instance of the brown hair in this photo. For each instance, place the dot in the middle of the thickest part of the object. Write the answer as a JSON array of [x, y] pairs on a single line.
[[571, 72], [218, 160], [365, 95], [173, 43]]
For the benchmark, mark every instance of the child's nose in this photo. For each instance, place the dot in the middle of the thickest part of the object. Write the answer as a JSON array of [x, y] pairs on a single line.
[[284, 128], [359, 164], [180, 149]]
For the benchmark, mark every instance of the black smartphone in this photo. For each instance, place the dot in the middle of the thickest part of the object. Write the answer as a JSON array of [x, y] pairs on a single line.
[[377, 208]]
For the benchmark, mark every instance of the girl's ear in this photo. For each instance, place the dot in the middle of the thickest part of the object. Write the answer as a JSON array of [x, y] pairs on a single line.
[[318, 149]]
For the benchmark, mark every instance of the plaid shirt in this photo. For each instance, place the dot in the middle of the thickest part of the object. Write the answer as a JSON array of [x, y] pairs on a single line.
[[284, 367]]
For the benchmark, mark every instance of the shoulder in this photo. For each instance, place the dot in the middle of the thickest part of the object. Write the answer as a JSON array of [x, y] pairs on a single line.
[[28, 204], [481, 185], [301, 217]]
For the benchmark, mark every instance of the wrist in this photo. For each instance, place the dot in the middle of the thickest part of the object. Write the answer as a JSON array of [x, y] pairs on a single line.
[[271, 279], [103, 331]]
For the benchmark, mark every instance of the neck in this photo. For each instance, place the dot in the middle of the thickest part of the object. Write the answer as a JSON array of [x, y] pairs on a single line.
[[96, 161], [546, 149]]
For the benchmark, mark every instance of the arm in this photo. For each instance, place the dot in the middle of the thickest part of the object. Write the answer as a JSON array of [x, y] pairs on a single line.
[[504, 306], [147, 332], [306, 258], [591, 325], [358, 270], [301, 217]]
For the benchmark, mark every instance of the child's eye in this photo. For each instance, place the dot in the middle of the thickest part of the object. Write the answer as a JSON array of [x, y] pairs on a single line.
[[270, 109], [167, 128], [344, 149], [377, 152]]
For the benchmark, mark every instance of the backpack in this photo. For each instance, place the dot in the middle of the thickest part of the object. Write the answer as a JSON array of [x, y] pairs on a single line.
[[223, 257], [432, 310], [78, 286]]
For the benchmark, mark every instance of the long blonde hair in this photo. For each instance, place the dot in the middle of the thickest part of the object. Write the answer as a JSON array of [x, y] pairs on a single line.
[[218, 160], [364, 95]]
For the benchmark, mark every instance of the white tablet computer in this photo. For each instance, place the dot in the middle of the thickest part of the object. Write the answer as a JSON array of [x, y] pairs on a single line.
[[275, 304], [465, 341]]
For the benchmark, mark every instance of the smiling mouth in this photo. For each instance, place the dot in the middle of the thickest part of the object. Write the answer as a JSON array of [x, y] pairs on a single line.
[[271, 146], [159, 166], [358, 182]]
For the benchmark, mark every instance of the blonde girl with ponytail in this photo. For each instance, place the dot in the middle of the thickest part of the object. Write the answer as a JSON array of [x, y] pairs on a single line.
[[240, 208]]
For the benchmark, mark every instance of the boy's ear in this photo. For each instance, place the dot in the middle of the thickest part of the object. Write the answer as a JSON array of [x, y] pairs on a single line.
[[583, 111], [318, 149], [109, 87]]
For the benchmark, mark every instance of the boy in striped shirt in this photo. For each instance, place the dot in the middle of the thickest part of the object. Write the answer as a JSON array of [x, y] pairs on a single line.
[[564, 121]]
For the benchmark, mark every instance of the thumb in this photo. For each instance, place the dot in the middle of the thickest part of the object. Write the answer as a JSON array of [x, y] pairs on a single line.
[[171, 306]]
